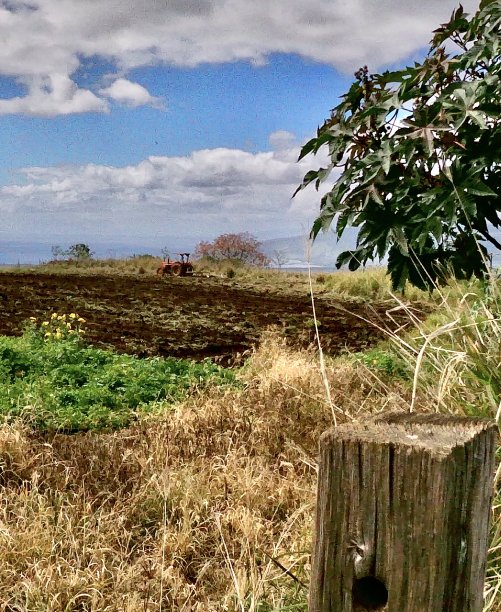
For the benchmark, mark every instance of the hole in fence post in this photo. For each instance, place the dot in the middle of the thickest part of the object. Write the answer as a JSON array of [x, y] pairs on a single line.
[[370, 593]]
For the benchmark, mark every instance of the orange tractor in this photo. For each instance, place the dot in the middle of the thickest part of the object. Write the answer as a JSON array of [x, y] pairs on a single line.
[[182, 267]]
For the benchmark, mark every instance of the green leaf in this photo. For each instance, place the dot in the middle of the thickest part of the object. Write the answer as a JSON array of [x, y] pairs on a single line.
[[314, 145], [477, 117], [479, 188], [434, 226], [348, 257], [400, 239], [308, 178], [307, 148], [398, 269], [375, 195]]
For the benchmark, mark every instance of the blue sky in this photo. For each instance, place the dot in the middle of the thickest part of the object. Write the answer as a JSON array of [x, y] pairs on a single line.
[[151, 123], [233, 105]]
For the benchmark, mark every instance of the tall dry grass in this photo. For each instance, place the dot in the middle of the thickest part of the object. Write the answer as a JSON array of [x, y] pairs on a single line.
[[208, 508]]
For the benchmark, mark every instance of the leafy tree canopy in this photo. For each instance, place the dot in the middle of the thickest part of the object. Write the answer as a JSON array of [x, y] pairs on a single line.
[[243, 247], [75, 251], [417, 154]]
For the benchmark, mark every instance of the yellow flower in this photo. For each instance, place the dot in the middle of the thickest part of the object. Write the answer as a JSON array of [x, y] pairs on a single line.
[[81, 320], [53, 315], [73, 315], [47, 335], [58, 334], [33, 318], [45, 323]]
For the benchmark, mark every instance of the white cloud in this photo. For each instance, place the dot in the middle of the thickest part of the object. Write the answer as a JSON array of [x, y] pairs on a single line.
[[53, 95], [281, 140], [284, 145], [131, 94], [45, 39], [208, 192]]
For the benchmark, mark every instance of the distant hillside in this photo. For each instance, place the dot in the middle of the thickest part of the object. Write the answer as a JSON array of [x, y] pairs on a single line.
[[293, 251]]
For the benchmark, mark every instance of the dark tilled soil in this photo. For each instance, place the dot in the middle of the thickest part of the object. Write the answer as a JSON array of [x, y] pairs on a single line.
[[185, 317]]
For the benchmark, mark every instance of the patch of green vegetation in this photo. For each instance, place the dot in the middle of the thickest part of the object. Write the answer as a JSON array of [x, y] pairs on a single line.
[[51, 380], [384, 361]]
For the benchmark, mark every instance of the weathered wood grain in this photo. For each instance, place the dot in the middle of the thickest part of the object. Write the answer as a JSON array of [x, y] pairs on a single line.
[[403, 511]]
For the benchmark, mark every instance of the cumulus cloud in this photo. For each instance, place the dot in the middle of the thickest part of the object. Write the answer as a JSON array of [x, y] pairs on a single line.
[[281, 140], [42, 39], [209, 191], [284, 145], [131, 94], [53, 95]]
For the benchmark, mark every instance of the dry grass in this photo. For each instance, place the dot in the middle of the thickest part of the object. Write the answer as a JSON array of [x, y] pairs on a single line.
[[196, 511], [136, 264], [209, 508]]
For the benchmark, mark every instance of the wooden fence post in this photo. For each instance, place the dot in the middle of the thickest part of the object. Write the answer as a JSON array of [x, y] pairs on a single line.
[[403, 512]]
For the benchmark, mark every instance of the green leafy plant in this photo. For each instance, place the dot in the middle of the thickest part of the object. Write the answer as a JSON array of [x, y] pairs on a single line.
[[384, 361], [49, 378], [419, 154]]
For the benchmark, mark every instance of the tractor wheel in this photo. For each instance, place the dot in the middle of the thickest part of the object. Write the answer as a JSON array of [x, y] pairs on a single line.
[[176, 269], [160, 271]]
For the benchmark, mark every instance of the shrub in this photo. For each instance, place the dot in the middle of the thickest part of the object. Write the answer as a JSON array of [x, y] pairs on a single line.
[[79, 252]]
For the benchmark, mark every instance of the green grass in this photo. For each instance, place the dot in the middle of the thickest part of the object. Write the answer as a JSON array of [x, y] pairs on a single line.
[[52, 381], [383, 360]]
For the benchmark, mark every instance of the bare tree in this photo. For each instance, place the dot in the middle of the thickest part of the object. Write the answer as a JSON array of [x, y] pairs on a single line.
[[279, 258]]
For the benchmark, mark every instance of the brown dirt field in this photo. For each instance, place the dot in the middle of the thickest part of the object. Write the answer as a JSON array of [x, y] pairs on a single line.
[[184, 317]]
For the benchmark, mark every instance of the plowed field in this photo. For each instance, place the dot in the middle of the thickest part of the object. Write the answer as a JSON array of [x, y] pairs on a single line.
[[183, 317]]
